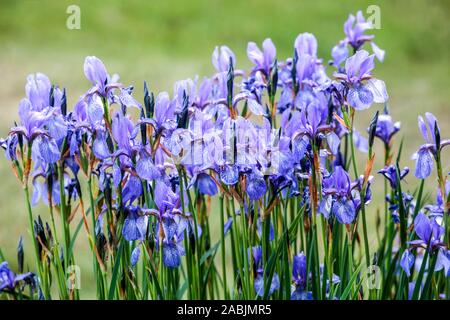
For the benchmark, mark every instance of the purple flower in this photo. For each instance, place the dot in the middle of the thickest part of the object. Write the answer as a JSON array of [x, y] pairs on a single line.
[[135, 224], [100, 146], [394, 205], [424, 164], [41, 188], [132, 189], [164, 118], [38, 90], [338, 200], [263, 60], [390, 173], [363, 89], [424, 156], [9, 280], [386, 128], [428, 230], [443, 261], [406, 262], [305, 68], [173, 239], [355, 28], [300, 278], [38, 115]]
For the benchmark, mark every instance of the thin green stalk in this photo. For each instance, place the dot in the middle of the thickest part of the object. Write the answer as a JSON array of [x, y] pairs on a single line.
[[64, 217], [45, 288], [222, 238]]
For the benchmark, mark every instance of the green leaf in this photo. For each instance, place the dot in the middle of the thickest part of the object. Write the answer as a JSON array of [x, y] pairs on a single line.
[[349, 286], [115, 275], [211, 252]]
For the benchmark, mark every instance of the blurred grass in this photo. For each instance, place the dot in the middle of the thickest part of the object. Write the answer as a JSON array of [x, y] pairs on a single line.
[[164, 41]]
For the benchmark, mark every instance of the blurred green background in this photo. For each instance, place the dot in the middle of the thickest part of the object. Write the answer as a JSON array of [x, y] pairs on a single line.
[[165, 41]]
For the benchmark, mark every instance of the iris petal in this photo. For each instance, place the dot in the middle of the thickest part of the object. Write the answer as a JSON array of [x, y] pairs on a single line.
[[424, 164]]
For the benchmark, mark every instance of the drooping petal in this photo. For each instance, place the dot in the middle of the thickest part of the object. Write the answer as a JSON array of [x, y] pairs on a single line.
[[325, 206], [344, 211], [256, 187], [379, 53], [255, 107], [443, 261], [422, 227], [146, 169], [47, 149], [424, 164], [127, 99], [361, 142], [135, 254], [100, 147], [132, 189], [229, 175], [95, 112], [135, 226], [57, 127], [407, 261], [299, 147], [360, 97], [206, 184], [333, 142], [378, 89], [171, 255]]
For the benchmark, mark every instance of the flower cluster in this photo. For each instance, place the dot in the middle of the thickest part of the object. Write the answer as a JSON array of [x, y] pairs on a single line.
[[277, 142]]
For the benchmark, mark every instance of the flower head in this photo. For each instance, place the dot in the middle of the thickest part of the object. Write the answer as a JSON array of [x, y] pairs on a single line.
[[263, 60], [424, 156], [363, 89], [9, 280]]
